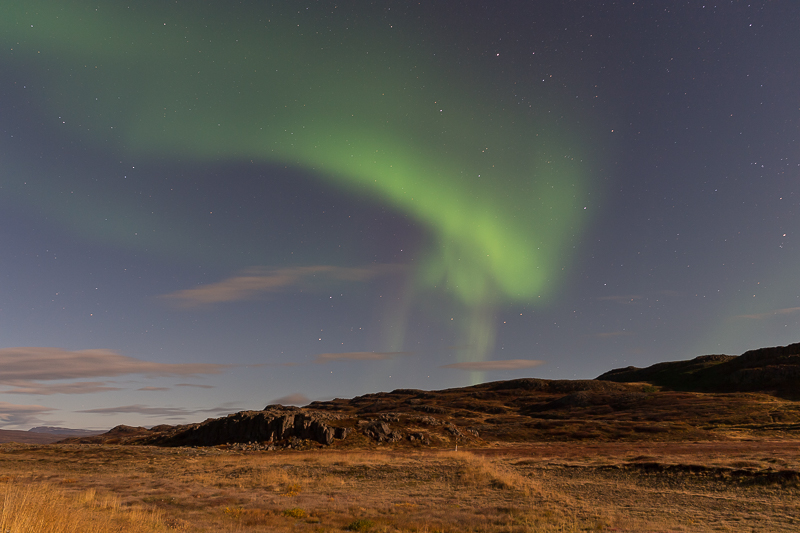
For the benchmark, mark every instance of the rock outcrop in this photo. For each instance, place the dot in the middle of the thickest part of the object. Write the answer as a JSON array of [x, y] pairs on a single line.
[[380, 431], [273, 425]]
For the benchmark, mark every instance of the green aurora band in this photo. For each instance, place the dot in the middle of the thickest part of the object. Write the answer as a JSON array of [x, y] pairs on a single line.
[[359, 103]]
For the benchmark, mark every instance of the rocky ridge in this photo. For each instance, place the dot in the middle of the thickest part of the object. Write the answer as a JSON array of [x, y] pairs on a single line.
[[742, 397]]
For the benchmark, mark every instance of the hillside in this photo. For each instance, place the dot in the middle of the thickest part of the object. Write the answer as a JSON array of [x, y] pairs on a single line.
[[769, 370], [708, 398]]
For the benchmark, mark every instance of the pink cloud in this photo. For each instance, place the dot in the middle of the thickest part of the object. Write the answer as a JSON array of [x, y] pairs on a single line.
[[292, 399], [257, 281], [770, 314], [31, 370], [43, 364]]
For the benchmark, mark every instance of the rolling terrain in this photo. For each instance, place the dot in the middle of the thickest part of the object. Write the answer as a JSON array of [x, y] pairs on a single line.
[[705, 399], [520, 456]]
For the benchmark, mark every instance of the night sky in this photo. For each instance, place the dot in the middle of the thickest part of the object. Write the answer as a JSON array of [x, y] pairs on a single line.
[[210, 207]]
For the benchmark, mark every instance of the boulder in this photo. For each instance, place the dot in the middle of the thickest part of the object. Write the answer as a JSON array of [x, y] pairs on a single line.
[[381, 431]]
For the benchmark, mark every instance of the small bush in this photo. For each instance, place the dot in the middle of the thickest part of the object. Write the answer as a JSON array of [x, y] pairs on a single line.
[[362, 524], [292, 489], [233, 512], [294, 512]]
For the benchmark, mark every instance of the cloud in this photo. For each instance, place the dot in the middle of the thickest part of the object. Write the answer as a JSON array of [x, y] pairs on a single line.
[[22, 415], [508, 364], [44, 364], [357, 356], [771, 314], [257, 281], [224, 409], [153, 389], [292, 399], [199, 386], [24, 369], [46, 389], [173, 412], [139, 410]]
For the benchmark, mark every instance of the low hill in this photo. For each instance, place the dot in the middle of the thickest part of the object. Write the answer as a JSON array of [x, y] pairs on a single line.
[[769, 370], [523, 410]]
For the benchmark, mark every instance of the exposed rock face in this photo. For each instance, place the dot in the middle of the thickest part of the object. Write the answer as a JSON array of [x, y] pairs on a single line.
[[381, 431], [276, 423]]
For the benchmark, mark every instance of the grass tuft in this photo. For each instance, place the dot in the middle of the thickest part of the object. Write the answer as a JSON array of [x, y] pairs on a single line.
[[295, 512], [362, 524]]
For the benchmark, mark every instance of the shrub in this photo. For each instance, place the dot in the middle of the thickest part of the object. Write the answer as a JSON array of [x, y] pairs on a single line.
[[362, 524], [294, 512], [293, 489], [233, 512]]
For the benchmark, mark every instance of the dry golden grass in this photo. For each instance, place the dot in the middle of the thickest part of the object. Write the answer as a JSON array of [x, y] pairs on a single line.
[[41, 508], [549, 488], [480, 470]]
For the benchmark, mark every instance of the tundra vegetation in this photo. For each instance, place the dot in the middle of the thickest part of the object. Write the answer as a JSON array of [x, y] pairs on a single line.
[[558, 487], [626, 452]]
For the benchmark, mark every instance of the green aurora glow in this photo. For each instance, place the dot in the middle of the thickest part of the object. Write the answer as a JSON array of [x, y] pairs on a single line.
[[358, 103]]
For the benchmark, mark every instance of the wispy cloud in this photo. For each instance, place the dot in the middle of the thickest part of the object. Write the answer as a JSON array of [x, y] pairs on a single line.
[[357, 356], [46, 389], [139, 410], [54, 363], [172, 412], [30, 370], [197, 385], [152, 389], [22, 415], [507, 364], [225, 408], [257, 281], [771, 314], [292, 399]]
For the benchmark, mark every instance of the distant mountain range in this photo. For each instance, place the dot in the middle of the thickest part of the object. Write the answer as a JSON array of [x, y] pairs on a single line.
[[710, 397], [43, 435], [50, 430]]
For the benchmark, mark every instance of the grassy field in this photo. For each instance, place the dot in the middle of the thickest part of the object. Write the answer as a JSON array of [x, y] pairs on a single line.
[[714, 486]]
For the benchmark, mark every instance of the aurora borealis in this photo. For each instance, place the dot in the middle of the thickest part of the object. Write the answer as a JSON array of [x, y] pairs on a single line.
[[257, 185]]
